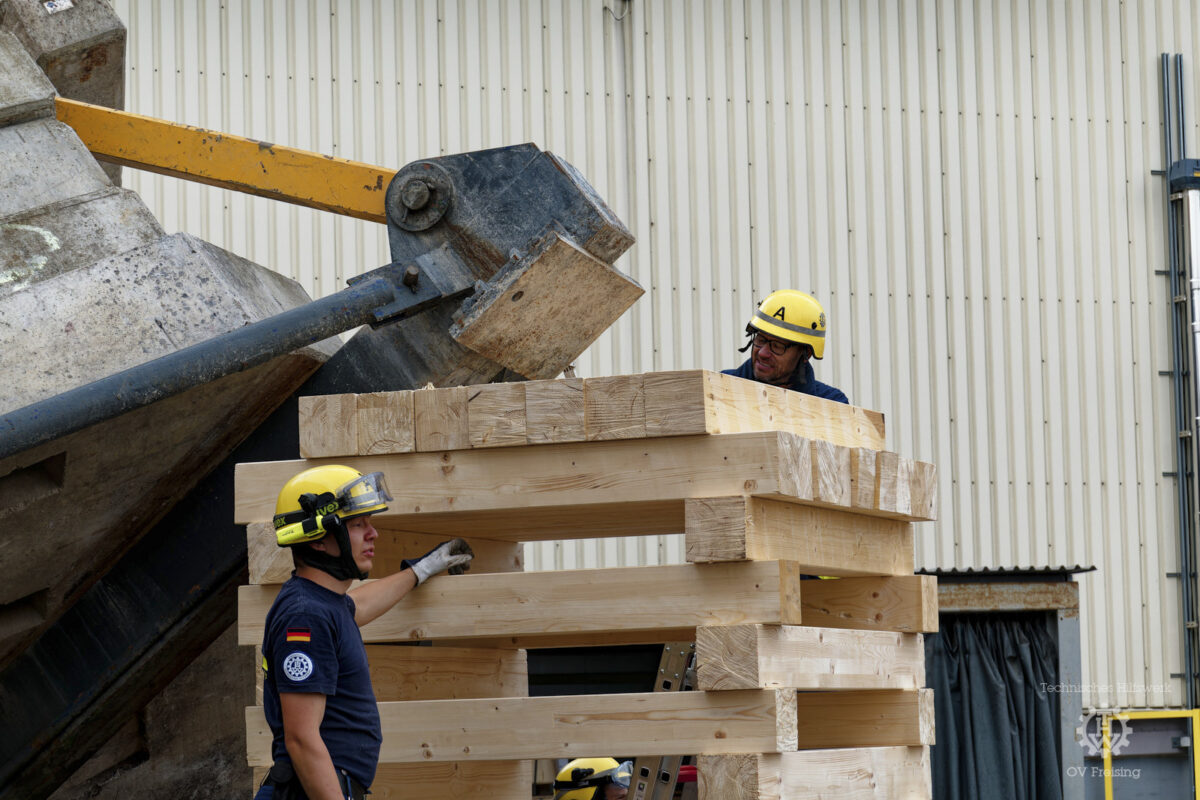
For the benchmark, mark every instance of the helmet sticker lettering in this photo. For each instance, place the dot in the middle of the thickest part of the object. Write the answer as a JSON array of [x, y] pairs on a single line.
[[781, 313], [298, 666]]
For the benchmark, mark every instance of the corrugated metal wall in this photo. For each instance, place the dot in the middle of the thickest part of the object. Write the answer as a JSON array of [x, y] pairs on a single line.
[[966, 185]]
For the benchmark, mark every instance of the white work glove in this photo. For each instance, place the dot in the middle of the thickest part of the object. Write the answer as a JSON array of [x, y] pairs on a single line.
[[454, 556]]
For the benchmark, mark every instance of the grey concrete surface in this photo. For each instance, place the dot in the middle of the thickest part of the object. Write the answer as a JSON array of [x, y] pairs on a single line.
[[73, 233], [81, 49], [76, 503], [25, 91], [44, 163], [128, 309]]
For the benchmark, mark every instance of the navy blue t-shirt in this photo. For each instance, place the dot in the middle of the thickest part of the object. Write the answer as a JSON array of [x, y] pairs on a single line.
[[312, 644], [805, 381]]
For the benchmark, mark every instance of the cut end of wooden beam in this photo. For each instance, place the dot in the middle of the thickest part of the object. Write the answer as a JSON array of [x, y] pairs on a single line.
[[716, 529], [496, 415], [530, 319], [614, 408], [727, 657], [385, 423], [328, 425], [554, 411], [440, 419]]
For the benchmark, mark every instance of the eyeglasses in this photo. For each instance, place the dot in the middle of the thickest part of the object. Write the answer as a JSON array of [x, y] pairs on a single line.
[[777, 347]]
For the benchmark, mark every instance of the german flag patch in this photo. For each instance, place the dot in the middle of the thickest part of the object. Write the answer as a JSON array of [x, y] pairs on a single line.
[[299, 635]]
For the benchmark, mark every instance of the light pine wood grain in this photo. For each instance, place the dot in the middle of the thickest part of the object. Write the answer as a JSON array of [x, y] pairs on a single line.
[[869, 773]]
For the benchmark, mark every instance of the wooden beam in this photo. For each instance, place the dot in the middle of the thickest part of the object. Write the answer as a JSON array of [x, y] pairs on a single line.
[[656, 404], [496, 415], [385, 423], [863, 488], [269, 563], [678, 403], [533, 317], [905, 603], [571, 639], [765, 464], [461, 780], [869, 773], [614, 408], [1008, 596], [546, 523], [266, 561], [464, 607], [779, 656], [554, 411], [827, 541], [401, 673], [645, 723], [866, 718], [405, 672], [328, 425], [923, 492], [823, 541], [893, 477], [440, 419], [832, 481]]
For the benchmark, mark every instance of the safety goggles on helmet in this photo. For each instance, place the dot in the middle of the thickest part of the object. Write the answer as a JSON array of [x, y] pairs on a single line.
[[362, 495]]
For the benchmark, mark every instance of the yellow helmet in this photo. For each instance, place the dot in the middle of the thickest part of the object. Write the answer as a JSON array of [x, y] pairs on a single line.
[[792, 316], [313, 502], [585, 778]]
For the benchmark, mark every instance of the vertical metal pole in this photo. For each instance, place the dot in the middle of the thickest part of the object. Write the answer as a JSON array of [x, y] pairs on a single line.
[[1181, 423], [1195, 731], [1164, 68], [1106, 751], [1180, 117], [1188, 533], [1071, 703]]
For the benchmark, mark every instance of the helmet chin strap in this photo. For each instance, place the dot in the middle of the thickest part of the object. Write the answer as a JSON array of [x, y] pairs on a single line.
[[342, 566]]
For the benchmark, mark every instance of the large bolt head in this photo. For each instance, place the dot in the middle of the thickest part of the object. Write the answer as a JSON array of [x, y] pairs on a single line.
[[414, 194]]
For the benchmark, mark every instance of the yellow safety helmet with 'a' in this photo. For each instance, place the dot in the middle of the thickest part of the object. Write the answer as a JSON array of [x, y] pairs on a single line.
[[792, 316]]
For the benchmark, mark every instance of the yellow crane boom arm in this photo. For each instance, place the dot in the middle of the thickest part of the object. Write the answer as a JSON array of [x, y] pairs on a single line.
[[230, 162]]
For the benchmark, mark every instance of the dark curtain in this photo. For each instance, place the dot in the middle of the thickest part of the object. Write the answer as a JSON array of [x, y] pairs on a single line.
[[996, 709]]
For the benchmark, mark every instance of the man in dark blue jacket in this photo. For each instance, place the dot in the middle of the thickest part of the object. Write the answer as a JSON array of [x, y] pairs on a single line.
[[786, 332]]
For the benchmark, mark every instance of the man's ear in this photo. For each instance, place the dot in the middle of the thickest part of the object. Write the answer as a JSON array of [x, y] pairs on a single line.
[[806, 352], [322, 544]]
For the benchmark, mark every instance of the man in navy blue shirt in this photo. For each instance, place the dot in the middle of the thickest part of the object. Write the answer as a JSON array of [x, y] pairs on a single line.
[[786, 332], [317, 694]]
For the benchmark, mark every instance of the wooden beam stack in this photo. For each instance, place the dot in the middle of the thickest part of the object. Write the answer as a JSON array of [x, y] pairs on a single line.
[[806, 687]]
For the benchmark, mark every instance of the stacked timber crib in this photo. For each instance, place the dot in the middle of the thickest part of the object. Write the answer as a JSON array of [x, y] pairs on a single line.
[[804, 687]]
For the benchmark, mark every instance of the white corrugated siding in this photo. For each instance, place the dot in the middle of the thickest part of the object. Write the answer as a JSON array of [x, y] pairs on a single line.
[[965, 185]]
